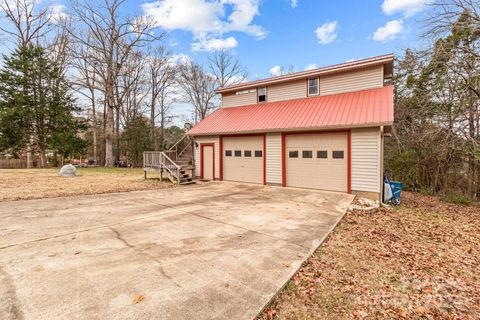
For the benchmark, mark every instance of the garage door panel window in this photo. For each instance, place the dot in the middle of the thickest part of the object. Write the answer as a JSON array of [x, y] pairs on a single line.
[[258, 153], [307, 154], [293, 154], [243, 166], [228, 153], [322, 154], [316, 161], [337, 154]]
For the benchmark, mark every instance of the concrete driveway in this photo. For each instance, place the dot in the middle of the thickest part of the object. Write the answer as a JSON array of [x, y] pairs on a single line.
[[212, 251]]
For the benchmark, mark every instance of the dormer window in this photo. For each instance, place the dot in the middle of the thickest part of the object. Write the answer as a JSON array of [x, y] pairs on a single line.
[[313, 87], [262, 94]]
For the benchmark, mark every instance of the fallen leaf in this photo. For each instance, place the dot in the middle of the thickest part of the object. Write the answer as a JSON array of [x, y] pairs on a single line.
[[270, 313], [138, 299], [421, 310]]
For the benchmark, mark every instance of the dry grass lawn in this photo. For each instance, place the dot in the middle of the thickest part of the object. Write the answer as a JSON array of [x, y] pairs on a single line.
[[17, 184], [419, 261]]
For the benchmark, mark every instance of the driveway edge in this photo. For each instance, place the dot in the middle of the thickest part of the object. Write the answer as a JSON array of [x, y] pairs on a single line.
[[310, 253]]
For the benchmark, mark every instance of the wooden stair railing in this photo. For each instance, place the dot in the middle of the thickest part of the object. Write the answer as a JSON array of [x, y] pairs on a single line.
[[159, 160], [180, 147]]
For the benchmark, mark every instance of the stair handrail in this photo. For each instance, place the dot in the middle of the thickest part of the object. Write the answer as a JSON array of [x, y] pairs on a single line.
[[177, 143], [157, 159], [180, 146], [171, 163], [187, 145]]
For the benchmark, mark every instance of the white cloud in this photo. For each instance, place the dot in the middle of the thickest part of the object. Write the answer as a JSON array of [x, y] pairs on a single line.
[[407, 7], [241, 17], [311, 66], [206, 18], [214, 44], [179, 58], [389, 31], [326, 33], [294, 3], [276, 71], [57, 13]]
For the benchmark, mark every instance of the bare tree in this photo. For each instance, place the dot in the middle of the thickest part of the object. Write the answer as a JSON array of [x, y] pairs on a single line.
[[111, 38], [448, 13], [130, 92], [226, 69], [29, 23], [198, 88], [86, 84], [454, 26], [162, 75], [131, 88]]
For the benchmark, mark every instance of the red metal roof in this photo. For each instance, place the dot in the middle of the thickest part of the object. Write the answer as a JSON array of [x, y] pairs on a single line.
[[352, 109]]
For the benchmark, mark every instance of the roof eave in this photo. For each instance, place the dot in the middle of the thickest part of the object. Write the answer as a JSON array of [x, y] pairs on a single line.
[[286, 130]]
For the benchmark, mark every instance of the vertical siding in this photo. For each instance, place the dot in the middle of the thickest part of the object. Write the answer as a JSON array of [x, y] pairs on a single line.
[[235, 100], [274, 157], [366, 159], [196, 152], [287, 91], [352, 81]]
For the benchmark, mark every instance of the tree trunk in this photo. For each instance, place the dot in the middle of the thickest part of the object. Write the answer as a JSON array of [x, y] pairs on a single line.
[[117, 135], [109, 132], [29, 157], [471, 158], [55, 159], [43, 158], [94, 125], [162, 126], [152, 125], [477, 190]]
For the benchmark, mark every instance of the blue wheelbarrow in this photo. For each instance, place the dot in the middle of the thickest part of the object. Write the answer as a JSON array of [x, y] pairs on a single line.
[[392, 191]]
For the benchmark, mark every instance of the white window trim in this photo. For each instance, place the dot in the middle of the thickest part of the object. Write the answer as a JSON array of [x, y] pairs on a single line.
[[308, 87]]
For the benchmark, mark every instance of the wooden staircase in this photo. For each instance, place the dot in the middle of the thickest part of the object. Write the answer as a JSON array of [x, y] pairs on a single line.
[[175, 164]]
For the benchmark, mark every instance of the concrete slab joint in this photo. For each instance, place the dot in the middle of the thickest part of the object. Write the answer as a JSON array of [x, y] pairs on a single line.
[[213, 251]]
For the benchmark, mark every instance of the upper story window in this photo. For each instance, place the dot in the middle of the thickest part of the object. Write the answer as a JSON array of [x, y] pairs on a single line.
[[262, 94], [313, 87]]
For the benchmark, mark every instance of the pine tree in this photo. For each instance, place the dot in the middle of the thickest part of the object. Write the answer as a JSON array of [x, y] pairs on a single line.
[[35, 104]]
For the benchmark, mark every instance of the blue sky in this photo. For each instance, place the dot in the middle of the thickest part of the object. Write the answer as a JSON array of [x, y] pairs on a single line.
[[270, 34]]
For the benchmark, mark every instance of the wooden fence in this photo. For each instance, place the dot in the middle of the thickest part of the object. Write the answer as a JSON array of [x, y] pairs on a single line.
[[13, 163]]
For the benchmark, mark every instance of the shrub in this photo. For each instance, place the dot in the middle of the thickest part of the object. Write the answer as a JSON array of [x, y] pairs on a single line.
[[457, 198]]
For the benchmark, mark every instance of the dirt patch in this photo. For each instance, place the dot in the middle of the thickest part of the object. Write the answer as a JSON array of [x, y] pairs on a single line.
[[417, 261], [20, 184]]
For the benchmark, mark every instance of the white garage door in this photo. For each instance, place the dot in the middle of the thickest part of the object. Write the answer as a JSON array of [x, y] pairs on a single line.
[[317, 161], [243, 159]]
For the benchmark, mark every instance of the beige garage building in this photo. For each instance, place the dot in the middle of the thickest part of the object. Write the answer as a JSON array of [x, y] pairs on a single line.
[[319, 129]]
